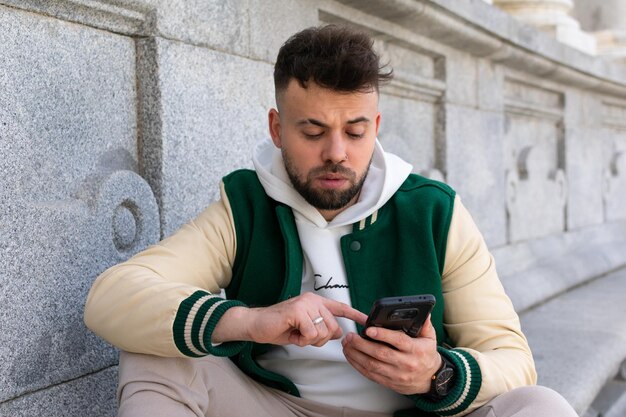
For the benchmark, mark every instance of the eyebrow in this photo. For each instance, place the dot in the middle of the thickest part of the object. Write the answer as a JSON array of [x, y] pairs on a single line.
[[321, 124]]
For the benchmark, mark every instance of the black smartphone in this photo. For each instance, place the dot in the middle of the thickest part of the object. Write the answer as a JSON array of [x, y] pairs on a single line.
[[407, 314]]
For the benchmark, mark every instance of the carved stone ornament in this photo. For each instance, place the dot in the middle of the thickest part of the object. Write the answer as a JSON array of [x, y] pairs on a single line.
[[536, 196], [614, 187], [127, 212]]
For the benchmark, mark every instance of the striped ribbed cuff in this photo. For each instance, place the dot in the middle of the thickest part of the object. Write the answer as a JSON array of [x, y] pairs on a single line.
[[468, 379], [195, 321]]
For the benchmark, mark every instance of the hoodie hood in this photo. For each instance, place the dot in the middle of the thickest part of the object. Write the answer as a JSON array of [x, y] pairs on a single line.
[[386, 174]]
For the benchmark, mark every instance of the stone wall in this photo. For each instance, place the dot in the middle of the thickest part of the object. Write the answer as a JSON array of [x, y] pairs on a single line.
[[119, 117]]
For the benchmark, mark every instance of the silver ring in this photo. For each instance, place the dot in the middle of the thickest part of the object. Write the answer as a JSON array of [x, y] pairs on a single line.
[[318, 320]]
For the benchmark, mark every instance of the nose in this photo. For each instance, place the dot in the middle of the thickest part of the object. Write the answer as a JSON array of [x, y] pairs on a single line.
[[335, 150]]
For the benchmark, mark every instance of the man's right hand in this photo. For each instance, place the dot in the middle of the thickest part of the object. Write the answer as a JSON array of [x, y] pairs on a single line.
[[288, 322]]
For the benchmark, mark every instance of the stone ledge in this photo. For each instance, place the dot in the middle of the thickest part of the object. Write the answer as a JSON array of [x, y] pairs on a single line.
[[537, 270], [129, 18], [485, 31], [579, 338], [618, 408], [91, 395], [611, 402], [473, 26]]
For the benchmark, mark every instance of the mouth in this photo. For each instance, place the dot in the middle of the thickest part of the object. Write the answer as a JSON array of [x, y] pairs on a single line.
[[332, 180], [332, 177]]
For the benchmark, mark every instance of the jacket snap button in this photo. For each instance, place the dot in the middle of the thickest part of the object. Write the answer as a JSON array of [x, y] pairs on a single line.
[[355, 245]]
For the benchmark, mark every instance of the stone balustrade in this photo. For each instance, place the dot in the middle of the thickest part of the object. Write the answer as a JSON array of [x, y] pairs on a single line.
[[552, 16]]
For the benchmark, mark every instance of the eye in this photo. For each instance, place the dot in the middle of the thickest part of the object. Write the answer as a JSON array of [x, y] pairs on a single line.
[[356, 135], [313, 135]]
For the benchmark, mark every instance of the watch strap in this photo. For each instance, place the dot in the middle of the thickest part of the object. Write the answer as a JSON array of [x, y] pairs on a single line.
[[433, 394], [464, 389]]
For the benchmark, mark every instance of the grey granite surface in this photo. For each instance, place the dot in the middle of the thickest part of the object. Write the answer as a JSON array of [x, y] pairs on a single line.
[[91, 395], [119, 117], [72, 202], [579, 338], [215, 112]]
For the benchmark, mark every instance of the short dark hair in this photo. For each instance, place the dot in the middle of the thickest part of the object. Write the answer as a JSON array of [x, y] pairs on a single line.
[[334, 57]]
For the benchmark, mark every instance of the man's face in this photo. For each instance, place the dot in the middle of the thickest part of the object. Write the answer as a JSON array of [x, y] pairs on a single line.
[[327, 141]]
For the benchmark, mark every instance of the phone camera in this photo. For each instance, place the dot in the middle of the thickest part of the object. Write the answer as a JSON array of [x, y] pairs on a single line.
[[403, 314]]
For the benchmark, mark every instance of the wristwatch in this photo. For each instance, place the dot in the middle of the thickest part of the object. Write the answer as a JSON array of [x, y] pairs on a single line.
[[442, 380]]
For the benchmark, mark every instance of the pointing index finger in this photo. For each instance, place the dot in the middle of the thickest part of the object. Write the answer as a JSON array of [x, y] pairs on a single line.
[[343, 310]]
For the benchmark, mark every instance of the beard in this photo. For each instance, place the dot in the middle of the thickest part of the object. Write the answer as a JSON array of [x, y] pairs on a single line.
[[325, 199]]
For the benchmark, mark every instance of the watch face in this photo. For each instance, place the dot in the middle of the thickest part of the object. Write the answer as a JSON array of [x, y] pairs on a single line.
[[442, 383]]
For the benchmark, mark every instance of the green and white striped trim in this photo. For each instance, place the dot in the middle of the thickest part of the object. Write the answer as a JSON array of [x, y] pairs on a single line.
[[195, 321], [465, 389], [368, 221]]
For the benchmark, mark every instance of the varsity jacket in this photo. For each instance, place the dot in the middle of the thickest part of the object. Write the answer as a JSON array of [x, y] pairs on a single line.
[[164, 300]]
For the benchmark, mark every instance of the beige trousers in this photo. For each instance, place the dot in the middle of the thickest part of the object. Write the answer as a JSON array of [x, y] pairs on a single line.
[[152, 386]]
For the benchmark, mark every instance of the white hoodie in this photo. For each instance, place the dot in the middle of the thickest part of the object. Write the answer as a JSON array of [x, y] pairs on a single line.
[[322, 373]]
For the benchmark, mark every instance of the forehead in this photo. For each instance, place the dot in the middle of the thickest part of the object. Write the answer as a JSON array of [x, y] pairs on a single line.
[[299, 101]]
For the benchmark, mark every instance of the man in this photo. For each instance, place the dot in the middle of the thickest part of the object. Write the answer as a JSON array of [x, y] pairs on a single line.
[[326, 224]]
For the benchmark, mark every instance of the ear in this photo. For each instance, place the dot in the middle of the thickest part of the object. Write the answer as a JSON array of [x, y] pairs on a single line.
[[274, 126], [377, 123]]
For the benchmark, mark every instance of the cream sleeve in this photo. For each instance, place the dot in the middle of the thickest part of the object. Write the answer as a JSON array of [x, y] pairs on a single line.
[[133, 305], [479, 317]]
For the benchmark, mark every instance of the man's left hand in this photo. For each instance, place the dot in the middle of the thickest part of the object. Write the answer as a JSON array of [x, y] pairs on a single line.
[[407, 369]]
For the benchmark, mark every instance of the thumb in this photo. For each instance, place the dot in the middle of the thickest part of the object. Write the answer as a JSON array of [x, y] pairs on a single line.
[[428, 330]]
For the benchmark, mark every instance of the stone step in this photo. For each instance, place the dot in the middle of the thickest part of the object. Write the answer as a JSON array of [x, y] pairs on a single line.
[[611, 401], [579, 341]]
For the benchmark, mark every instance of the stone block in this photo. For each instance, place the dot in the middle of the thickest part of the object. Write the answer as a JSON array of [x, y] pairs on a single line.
[[271, 23], [409, 65], [536, 270], [252, 28], [411, 123], [72, 202], [90, 396], [50, 256], [409, 128], [536, 185], [243, 27], [585, 109], [130, 17], [536, 195], [474, 167], [585, 149], [585, 156], [490, 81], [614, 186], [214, 111], [222, 25], [461, 79], [77, 100]]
